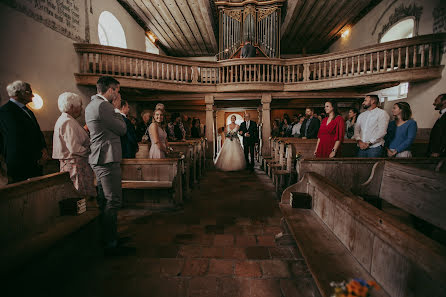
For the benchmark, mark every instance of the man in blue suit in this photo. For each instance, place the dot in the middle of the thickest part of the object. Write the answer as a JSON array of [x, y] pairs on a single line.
[[22, 143], [129, 144]]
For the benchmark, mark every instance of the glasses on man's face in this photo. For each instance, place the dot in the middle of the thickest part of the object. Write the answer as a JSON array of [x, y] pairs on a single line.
[[28, 92]]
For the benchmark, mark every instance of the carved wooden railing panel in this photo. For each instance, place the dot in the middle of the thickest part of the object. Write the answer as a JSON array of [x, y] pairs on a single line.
[[419, 53]]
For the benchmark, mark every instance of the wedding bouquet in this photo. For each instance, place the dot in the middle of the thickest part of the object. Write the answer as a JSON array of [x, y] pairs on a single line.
[[232, 135], [355, 288]]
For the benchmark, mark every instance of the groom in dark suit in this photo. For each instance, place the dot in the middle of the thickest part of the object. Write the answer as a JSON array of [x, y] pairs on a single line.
[[248, 129]]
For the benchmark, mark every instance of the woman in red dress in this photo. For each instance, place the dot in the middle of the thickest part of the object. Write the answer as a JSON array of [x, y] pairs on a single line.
[[331, 133]]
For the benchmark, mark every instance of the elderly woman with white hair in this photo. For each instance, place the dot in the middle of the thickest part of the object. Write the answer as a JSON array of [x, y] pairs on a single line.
[[71, 144]]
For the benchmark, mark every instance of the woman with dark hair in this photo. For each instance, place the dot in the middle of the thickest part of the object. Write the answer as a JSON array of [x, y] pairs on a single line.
[[176, 130], [275, 131], [286, 128], [331, 133], [353, 114], [401, 132], [195, 130]]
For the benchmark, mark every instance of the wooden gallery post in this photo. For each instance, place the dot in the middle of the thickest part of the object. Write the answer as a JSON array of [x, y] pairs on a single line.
[[266, 123], [209, 133]]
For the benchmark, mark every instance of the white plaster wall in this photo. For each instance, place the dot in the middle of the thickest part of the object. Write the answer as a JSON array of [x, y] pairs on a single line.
[[421, 95], [32, 52]]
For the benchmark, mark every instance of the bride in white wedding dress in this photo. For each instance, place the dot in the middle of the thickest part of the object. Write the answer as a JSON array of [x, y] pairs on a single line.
[[231, 156]]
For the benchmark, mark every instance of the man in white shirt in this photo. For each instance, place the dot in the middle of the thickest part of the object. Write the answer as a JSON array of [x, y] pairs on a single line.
[[370, 129], [295, 132]]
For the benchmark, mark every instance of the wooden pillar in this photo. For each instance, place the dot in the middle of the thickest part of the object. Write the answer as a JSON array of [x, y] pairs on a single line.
[[215, 134], [210, 129], [266, 123]]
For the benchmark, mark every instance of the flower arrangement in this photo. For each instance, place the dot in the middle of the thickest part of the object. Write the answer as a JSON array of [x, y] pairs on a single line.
[[232, 135], [355, 288]]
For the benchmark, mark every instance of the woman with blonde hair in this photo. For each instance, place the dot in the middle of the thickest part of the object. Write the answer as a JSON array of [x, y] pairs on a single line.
[[158, 136]]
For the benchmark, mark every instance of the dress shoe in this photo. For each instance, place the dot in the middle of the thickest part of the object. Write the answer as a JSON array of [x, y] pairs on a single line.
[[119, 251]]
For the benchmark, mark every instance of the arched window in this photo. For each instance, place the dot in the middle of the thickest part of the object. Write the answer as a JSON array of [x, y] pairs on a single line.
[[110, 30], [401, 30]]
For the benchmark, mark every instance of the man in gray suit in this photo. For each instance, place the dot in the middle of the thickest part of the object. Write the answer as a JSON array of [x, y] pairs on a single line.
[[106, 127]]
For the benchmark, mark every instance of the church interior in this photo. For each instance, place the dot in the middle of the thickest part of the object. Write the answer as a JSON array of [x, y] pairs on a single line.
[[304, 214]]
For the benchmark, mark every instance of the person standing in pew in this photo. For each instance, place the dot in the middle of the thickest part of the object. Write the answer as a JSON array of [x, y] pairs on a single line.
[[401, 132], [158, 137], [371, 128], [331, 133], [71, 144], [129, 145], [310, 126], [23, 144], [437, 138], [106, 126]]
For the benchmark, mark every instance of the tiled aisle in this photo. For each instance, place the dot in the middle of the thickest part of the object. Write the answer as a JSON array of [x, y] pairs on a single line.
[[222, 244]]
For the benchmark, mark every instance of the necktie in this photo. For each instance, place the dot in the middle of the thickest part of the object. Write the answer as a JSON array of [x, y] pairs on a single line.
[[247, 125]]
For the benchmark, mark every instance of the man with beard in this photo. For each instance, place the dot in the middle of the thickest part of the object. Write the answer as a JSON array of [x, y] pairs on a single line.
[[370, 129], [310, 126], [437, 139]]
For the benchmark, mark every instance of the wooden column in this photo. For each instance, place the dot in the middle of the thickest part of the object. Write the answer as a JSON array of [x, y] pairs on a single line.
[[215, 134], [210, 130], [266, 123]]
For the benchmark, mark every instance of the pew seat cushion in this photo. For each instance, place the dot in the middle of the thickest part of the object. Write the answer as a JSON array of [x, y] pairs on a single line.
[[327, 258], [131, 184]]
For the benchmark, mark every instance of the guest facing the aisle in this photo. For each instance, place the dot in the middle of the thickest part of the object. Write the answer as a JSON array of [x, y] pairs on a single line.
[[401, 132], [129, 143], [331, 133], [142, 127], [310, 126], [351, 122], [195, 130], [371, 128], [106, 127], [23, 143], [295, 132], [437, 138], [71, 144], [175, 129], [158, 137]]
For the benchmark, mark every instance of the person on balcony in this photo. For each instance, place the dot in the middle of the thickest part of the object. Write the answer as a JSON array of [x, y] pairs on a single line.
[[331, 133], [248, 50], [401, 132], [437, 139], [310, 126], [371, 128], [71, 144]]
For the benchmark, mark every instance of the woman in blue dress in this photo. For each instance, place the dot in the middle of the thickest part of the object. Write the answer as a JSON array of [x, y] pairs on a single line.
[[401, 132]]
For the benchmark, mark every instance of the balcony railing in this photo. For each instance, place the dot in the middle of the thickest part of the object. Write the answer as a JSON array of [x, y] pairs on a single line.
[[411, 59]]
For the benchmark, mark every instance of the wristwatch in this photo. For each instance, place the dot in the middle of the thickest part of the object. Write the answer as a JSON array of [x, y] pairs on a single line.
[[333, 150]]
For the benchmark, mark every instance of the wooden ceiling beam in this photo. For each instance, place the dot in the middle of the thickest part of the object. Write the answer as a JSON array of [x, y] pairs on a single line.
[[156, 25], [292, 11], [308, 6], [192, 25], [334, 19], [208, 19], [170, 20], [200, 23]]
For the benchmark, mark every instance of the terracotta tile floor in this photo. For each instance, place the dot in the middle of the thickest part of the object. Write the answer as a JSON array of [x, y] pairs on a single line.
[[222, 244]]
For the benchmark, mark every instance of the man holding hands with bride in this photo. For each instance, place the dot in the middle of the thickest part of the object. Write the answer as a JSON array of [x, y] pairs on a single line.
[[248, 129]]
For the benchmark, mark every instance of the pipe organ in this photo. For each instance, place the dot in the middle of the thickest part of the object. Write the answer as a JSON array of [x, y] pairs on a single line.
[[250, 20]]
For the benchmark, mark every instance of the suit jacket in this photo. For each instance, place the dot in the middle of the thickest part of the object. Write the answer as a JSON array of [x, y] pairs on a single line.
[[22, 142], [253, 132], [437, 139], [129, 144], [312, 129], [106, 128], [248, 51]]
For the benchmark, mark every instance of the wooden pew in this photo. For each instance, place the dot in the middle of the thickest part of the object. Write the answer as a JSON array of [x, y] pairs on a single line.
[[348, 173], [30, 220], [154, 174], [420, 192], [343, 237], [187, 149]]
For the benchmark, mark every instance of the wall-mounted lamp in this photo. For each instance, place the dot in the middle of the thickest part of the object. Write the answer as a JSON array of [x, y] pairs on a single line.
[[345, 33], [37, 102], [152, 37]]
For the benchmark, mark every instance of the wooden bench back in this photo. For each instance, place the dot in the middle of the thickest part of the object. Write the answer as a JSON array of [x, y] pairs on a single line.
[[150, 169], [349, 173], [403, 261], [32, 206], [420, 192]]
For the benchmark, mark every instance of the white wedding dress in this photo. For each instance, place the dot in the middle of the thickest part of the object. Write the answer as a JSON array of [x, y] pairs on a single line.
[[231, 156]]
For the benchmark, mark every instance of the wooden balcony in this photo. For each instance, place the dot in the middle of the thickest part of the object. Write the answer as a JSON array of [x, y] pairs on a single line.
[[408, 60]]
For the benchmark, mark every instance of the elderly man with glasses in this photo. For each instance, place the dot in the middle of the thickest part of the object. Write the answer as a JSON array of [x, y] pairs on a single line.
[[23, 144]]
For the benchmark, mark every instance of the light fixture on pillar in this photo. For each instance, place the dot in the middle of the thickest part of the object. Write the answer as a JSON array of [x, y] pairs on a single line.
[[152, 37], [37, 102]]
